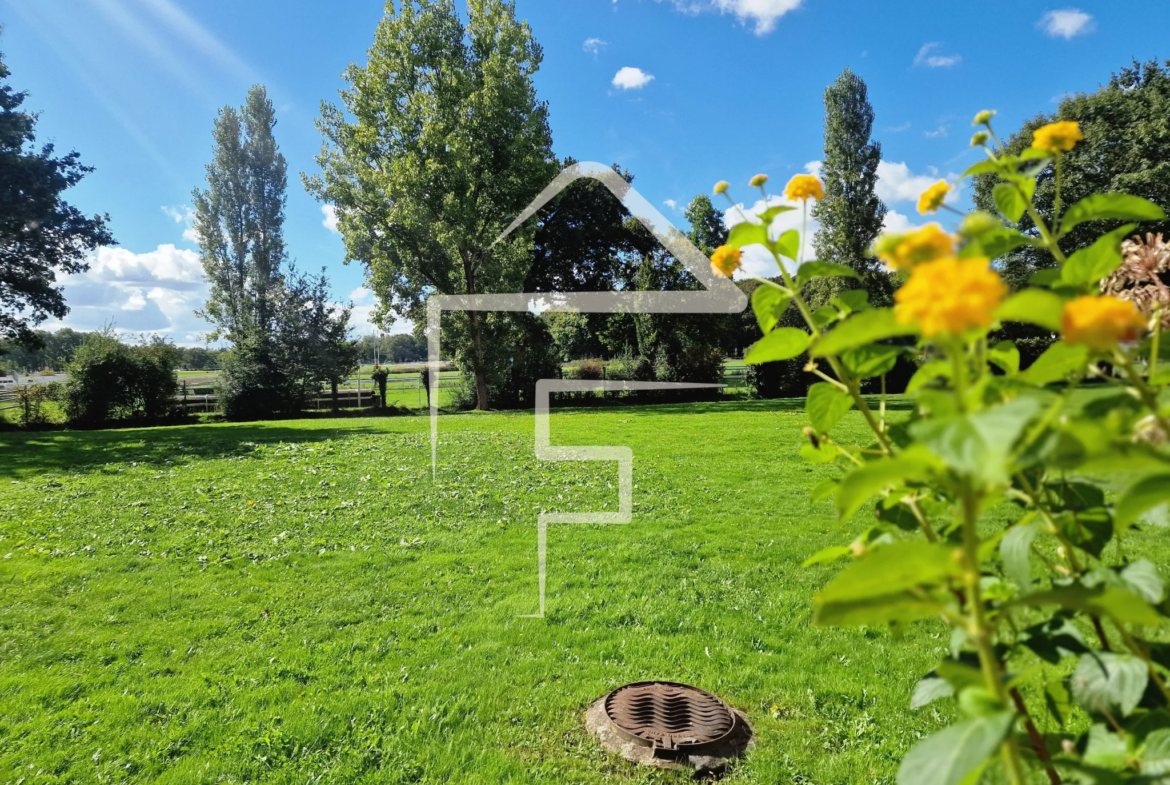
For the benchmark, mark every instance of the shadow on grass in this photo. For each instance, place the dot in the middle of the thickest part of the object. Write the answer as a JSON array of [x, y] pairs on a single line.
[[629, 407], [23, 454]]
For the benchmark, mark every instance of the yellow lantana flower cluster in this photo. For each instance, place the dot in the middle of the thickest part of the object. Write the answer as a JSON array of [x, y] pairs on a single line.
[[802, 186], [1101, 322], [950, 296], [1057, 137], [932, 198], [727, 259], [903, 251]]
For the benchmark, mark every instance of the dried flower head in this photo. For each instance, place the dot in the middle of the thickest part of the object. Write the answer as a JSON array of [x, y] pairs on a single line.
[[1143, 276]]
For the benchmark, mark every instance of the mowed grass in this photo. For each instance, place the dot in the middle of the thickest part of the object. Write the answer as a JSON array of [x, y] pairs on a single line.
[[300, 602]]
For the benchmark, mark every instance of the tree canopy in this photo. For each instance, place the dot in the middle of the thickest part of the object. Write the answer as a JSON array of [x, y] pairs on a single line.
[[41, 235], [440, 143], [1126, 149]]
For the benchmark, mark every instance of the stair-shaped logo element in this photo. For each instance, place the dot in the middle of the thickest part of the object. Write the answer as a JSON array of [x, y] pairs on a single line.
[[720, 295]]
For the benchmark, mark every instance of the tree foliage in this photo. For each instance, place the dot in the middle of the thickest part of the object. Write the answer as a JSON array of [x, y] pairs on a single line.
[[439, 144], [110, 381], [1126, 150], [239, 219], [851, 214], [41, 235]]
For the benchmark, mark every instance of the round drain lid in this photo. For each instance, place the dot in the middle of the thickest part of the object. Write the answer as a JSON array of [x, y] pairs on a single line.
[[674, 719]]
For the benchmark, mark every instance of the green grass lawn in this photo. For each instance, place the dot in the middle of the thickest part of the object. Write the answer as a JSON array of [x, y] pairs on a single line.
[[298, 602]]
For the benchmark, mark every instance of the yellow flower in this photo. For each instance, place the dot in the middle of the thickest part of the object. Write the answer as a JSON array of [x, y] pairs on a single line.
[[721, 187], [903, 251], [949, 296], [1057, 137], [758, 180], [1101, 322], [726, 259], [802, 186], [932, 197]]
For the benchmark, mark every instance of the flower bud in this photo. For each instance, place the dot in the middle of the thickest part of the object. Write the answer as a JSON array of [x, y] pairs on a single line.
[[978, 222], [721, 187], [811, 435], [858, 548], [980, 138], [758, 180], [984, 117]]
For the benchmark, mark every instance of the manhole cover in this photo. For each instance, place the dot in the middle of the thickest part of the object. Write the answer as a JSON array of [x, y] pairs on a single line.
[[673, 719]]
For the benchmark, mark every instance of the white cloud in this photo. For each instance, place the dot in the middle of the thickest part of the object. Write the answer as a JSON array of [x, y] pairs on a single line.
[[360, 294], [631, 79], [756, 260], [594, 45], [184, 215], [926, 56], [1067, 23], [897, 129], [330, 222], [896, 183], [763, 13], [153, 292], [672, 204], [897, 222], [938, 133]]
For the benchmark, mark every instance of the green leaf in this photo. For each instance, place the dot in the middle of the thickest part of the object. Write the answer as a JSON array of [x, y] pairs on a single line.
[[873, 360], [1033, 306], [983, 167], [1045, 277], [783, 343], [930, 689], [947, 757], [810, 270], [929, 372], [864, 482], [1145, 581], [774, 211], [1016, 551], [822, 490], [769, 302], [892, 568], [822, 454], [1142, 496], [825, 315], [978, 445], [853, 299], [1059, 361], [826, 405], [1005, 356], [860, 329], [826, 555], [1109, 682], [1155, 753], [1099, 207], [998, 242], [1103, 748], [788, 245], [1010, 201], [1122, 605], [1089, 265], [747, 233]]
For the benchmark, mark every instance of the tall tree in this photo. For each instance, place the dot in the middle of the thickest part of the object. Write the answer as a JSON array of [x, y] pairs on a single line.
[[239, 219], [851, 214], [447, 144], [708, 231], [41, 235], [1126, 148]]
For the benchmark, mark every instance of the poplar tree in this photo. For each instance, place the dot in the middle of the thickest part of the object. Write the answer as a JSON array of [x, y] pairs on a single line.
[[851, 214]]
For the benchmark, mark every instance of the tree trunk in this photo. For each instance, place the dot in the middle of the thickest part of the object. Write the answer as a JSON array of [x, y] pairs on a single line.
[[481, 391], [334, 386]]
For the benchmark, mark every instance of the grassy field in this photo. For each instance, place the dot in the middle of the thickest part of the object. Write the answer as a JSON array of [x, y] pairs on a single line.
[[299, 602]]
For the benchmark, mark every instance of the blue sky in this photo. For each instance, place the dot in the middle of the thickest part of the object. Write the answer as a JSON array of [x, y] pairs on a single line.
[[681, 92]]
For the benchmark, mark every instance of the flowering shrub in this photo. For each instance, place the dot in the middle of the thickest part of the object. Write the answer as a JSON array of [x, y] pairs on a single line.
[[1055, 613]]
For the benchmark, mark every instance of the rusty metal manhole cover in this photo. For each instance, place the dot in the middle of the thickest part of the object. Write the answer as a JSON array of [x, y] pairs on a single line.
[[673, 719]]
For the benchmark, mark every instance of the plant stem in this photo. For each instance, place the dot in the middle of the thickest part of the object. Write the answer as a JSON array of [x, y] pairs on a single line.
[[1149, 397], [982, 634], [1034, 734], [992, 674]]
